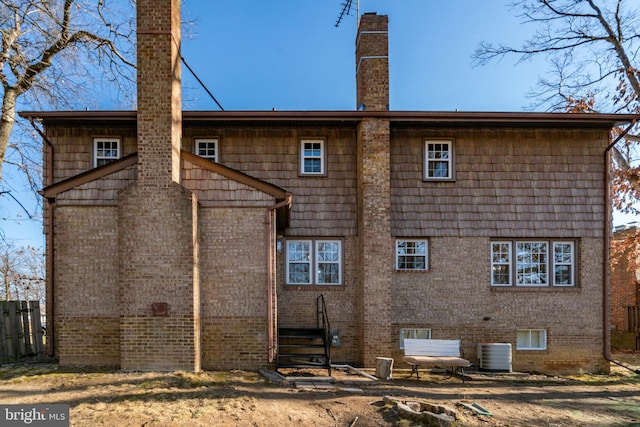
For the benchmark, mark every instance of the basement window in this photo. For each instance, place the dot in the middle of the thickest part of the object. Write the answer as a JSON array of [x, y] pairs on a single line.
[[414, 333], [531, 339], [314, 262], [105, 150], [312, 157], [207, 148]]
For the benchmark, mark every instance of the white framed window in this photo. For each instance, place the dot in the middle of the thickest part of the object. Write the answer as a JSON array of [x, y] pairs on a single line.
[[207, 148], [414, 333], [312, 157], [105, 150], [563, 263], [531, 339], [314, 262], [501, 263], [438, 159], [529, 263], [412, 255]]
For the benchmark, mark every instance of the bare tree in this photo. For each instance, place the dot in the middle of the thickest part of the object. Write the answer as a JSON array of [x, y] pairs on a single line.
[[593, 48], [52, 54], [21, 273]]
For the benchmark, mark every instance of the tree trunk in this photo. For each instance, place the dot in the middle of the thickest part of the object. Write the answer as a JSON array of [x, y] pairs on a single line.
[[7, 120]]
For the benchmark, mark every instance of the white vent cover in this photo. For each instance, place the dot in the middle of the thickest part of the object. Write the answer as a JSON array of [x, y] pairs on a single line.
[[495, 357]]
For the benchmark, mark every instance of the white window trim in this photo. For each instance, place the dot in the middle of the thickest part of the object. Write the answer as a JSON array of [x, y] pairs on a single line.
[[314, 262], [449, 160], [322, 157], [509, 263], [216, 143], [96, 158], [309, 262], [420, 333], [549, 279], [550, 264], [572, 265], [426, 255], [317, 262], [529, 347]]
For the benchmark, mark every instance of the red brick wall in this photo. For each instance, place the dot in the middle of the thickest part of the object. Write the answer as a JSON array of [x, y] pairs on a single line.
[[624, 282]]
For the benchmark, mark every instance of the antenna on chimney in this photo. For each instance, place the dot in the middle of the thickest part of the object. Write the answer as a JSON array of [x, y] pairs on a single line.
[[346, 10]]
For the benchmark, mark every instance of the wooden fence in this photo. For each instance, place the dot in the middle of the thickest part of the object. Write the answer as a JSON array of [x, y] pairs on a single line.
[[21, 334]]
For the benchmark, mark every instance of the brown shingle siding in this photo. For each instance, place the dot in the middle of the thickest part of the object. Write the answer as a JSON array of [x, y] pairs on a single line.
[[321, 205], [517, 179]]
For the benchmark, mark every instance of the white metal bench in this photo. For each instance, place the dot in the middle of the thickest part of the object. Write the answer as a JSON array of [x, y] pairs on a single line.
[[434, 353]]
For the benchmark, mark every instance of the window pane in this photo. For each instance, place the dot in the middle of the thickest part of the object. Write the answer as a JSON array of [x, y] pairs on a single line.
[[299, 262], [438, 160], [563, 264], [328, 274], [563, 275], [105, 151], [299, 251], [312, 165], [531, 263], [207, 148], [536, 339], [501, 275], [531, 339], [501, 263], [411, 255], [328, 262], [439, 169], [411, 333], [299, 273], [328, 251], [313, 157]]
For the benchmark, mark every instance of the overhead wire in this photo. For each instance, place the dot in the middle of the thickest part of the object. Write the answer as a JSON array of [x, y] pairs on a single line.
[[200, 81]]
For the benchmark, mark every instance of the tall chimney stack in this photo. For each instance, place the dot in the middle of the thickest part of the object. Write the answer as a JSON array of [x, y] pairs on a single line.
[[372, 63], [374, 189], [159, 92], [157, 217]]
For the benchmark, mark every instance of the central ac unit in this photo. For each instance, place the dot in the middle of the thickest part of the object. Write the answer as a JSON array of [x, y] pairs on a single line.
[[495, 357]]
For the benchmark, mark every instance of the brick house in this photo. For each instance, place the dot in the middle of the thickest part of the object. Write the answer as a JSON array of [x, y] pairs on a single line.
[[184, 240], [625, 291]]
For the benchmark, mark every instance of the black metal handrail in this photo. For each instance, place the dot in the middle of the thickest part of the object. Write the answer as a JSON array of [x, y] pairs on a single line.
[[322, 321]]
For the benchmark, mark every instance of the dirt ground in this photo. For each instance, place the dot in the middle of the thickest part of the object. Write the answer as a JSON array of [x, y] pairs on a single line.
[[240, 398]]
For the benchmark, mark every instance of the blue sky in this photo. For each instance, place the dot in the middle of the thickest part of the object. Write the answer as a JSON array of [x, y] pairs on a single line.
[[288, 55]]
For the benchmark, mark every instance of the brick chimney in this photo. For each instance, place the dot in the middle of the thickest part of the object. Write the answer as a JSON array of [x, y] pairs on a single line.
[[157, 217], [372, 63], [374, 185], [159, 92]]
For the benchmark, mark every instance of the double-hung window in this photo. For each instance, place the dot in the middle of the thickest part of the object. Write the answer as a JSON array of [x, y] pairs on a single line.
[[438, 160], [314, 262], [207, 148], [312, 157], [533, 263], [412, 255], [105, 150]]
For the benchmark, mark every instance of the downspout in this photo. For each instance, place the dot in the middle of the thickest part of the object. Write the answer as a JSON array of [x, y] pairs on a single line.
[[50, 264], [271, 236], [606, 331]]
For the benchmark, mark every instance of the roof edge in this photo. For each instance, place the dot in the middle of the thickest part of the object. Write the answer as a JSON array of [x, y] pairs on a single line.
[[467, 117]]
